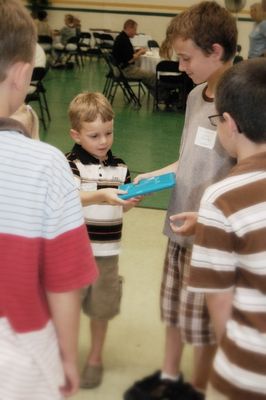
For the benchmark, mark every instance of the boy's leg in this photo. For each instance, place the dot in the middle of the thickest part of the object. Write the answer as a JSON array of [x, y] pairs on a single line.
[[170, 303], [173, 351], [168, 382], [196, 329], [203, 359], [98, 329], [101, 303]]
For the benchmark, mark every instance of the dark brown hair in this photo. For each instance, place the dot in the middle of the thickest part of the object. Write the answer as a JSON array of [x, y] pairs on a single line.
[[241, 92]]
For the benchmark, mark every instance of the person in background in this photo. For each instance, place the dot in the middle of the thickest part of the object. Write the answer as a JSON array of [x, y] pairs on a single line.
[[228, 259], [204, 38], [257, 37], [43, 27], [45, 253], [98, 174], [126, 57], [69, 30], [28, 117], [166, 50]]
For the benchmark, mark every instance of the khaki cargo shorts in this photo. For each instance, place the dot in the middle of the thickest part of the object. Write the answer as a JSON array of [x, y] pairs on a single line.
[[102, 299]]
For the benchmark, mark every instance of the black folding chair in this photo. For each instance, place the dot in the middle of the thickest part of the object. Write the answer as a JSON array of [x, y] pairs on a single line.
[[106, 41], [172, 86], [37, 92], [114, 79], [84, 44], [152, 44], [97, 44], [46, 42], [72, 49]]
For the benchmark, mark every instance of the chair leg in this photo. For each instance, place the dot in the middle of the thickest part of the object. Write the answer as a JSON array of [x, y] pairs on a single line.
[[131, 94], [46, 106], [42, 118]]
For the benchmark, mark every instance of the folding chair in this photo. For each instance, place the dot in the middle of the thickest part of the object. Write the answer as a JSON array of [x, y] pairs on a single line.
[[172, 86], [97, 44], [46, 42], [153, 44], [106, 41], [72, 50], [84, 44], [114, 79], [37, 93]]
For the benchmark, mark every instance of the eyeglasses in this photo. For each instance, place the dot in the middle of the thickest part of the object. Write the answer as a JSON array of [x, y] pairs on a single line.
[[214, 119]]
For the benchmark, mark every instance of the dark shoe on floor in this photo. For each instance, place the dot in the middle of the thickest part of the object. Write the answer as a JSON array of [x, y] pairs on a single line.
[[154, 388]]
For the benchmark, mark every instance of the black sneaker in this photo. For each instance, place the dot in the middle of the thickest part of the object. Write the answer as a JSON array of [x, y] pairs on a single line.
[[154, 388]]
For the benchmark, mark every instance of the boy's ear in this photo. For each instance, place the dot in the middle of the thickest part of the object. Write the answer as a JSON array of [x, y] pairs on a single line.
[[232, 126], [75, 135], [217, 50], [20, 75]]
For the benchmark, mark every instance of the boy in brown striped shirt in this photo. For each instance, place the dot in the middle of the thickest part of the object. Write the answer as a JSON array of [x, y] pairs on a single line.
[[229, 252]]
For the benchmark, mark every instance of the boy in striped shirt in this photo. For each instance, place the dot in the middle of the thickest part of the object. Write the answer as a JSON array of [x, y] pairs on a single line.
[[229, 252], [45, 257]]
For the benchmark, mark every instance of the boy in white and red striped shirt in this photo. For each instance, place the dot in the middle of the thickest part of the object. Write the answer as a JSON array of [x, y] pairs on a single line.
[[45, 257], [229, 252]]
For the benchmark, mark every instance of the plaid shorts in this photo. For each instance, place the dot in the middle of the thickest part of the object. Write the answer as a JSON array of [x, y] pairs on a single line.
[[179, 307]]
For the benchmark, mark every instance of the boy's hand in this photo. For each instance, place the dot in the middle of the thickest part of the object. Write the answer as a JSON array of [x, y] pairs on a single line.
[[188, 226], [140, 177], [71, 379], [110, 196]]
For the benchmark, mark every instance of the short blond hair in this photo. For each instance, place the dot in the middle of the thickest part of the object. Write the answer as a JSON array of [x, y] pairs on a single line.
[[87, 107], [17, 35], [28, 117]]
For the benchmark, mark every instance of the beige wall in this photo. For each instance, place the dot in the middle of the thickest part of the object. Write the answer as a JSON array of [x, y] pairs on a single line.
[[154, 25]]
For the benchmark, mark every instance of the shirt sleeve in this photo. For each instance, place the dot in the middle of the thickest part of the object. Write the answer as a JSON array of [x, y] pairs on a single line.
[[213, 263], [67, 259]]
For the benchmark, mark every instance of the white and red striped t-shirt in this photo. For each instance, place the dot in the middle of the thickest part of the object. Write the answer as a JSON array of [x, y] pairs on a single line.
[[230, 253], [44, 246]]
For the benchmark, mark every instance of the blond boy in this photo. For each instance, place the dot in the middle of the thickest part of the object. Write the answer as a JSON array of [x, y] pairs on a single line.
[[98, 174]]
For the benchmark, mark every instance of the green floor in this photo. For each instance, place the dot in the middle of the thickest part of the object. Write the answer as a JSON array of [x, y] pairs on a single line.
[[146, 140]]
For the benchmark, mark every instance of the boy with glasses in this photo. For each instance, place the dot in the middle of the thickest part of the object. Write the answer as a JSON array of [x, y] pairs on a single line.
[[228, 259]]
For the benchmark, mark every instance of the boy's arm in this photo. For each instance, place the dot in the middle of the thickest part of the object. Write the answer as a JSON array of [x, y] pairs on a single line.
[[220, 309], [106, 195], [169, 168], [65, 312]]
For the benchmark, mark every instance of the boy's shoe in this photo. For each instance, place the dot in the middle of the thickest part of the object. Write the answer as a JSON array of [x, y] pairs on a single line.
[[91, 376], [154, 388]]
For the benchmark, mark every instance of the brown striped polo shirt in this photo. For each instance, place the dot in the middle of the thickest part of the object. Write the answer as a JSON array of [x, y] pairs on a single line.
[[230, 252]]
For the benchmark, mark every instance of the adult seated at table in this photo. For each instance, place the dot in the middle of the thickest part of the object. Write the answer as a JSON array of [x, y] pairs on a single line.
[[126, 57]]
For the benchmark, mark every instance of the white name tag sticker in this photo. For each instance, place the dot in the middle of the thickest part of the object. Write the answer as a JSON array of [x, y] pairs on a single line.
[[205, 138]]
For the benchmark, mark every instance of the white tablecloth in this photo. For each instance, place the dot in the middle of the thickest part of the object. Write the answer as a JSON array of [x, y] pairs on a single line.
[[149, 61], [140, 40]]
